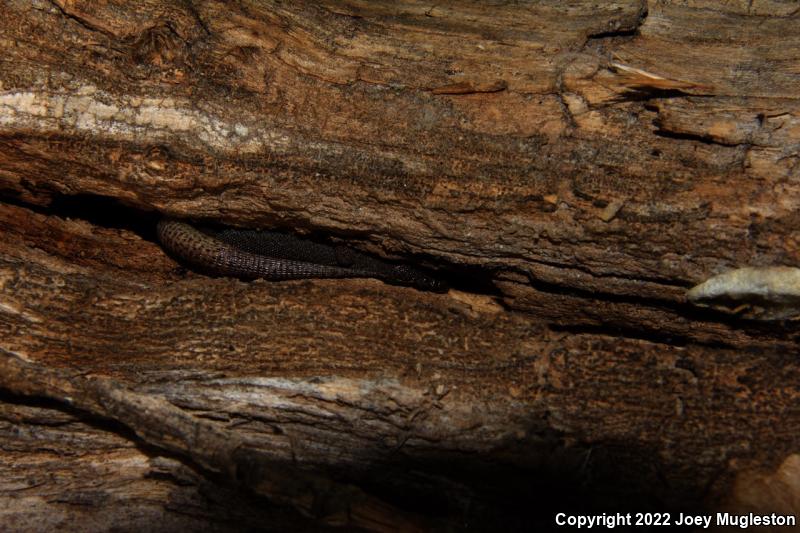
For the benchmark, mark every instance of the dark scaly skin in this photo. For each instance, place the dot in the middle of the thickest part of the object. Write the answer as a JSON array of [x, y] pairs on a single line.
[[247, 254]]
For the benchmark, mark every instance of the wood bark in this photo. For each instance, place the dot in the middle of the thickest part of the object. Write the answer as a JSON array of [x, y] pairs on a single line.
[[571, 169]]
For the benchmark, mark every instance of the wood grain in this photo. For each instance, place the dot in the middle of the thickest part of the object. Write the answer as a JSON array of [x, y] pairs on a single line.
[[573, 168]]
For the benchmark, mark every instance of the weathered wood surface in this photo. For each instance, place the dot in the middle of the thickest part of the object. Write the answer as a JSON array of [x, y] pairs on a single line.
[[587, 163]]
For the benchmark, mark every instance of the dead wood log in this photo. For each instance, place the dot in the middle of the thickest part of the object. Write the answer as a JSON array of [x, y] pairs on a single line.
[[571, 170]]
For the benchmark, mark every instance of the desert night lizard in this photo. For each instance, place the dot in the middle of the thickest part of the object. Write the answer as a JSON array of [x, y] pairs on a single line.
[[252, 254]]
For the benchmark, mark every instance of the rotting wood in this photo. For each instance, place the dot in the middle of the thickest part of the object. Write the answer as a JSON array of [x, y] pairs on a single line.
[[587, 163]]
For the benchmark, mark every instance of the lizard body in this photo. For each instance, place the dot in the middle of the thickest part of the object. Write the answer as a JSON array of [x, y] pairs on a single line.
[[274, 256]]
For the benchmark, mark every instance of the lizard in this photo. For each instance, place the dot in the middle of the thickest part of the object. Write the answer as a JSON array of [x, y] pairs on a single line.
[[250, 254]]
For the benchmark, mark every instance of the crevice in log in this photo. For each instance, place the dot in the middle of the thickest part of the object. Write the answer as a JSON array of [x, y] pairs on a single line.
[[651, 336], [684, 136], [645, 94], [613, 33], [104, 212], [783, 331], [667, 282], [110, 212], [565, 290], [668, 339]]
